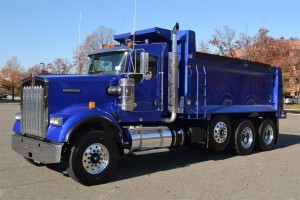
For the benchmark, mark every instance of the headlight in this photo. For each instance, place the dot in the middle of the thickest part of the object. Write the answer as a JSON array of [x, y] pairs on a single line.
[[56, 121], [18, 116]]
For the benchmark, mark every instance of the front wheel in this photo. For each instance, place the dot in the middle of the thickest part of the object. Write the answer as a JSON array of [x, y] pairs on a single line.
[[93, 158]]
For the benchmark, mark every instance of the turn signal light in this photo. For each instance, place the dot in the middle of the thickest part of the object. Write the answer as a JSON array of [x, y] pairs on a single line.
[[92, 105]]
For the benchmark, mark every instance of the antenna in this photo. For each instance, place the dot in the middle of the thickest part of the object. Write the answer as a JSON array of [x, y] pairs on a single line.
[[79, 39], [122, 21], [79, 27], [134, 20]]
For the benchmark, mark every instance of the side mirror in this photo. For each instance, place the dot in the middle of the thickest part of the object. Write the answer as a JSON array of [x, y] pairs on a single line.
[[144, 63]]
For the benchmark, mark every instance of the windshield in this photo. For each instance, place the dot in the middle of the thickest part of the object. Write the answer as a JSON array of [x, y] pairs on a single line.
[[108, 63]]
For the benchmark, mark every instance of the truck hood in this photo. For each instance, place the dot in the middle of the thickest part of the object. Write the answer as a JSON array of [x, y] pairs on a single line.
[[68, 90]]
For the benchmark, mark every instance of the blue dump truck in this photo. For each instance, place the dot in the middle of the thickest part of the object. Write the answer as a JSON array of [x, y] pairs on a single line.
[[153, 91]]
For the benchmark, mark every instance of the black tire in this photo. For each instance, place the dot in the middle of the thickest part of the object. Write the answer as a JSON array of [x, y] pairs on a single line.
[[219, 133], [93, 158], [266, 135], [244, 138]]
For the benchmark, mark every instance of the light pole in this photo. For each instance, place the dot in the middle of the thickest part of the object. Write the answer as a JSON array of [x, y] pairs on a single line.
[[43, 68]]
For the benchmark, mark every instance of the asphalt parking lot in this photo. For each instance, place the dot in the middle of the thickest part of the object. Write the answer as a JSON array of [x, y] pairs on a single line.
[[186, 173]]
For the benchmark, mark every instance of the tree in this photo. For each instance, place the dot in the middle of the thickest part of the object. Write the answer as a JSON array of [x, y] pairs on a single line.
[[11, 76], [225, 41], [36, 69], [204, 47], [276, 52], [262, 48], [101, 36], [59, 66], [80, 58]]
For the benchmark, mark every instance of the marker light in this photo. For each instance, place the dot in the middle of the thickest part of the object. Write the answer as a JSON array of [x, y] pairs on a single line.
[[108, 46], [56, 121], [130, 44], [92, 105]]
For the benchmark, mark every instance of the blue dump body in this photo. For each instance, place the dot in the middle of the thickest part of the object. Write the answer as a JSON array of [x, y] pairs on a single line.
[[159, 93], [231, 86]]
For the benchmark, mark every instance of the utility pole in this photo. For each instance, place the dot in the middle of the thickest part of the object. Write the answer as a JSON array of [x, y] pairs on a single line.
[[43, 67]]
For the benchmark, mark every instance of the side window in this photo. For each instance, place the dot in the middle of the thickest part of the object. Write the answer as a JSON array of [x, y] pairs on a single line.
[[152, 64]]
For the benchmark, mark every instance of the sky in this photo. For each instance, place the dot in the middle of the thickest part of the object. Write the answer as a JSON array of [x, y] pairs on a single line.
[[38, 31]]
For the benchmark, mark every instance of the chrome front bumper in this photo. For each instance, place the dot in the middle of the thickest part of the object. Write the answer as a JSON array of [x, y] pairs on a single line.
[[37, 150]]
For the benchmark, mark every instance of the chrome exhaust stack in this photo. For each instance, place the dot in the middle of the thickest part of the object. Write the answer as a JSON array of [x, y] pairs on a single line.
[[173, 78]]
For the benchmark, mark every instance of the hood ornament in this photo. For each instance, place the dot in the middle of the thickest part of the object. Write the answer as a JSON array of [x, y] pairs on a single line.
[[31, 80]]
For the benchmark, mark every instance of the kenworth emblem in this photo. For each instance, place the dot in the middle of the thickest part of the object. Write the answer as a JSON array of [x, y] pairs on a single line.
[[71, 90]]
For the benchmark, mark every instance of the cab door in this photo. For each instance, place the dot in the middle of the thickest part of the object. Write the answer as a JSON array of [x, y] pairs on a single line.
[[147, 92]]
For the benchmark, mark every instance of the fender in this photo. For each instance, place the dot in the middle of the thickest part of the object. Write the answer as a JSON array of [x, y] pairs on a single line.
[[17, 127], [77, 116]]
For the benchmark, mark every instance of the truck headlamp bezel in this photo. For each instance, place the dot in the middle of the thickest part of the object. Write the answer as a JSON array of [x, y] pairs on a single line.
[[18, 116], [56, 121]]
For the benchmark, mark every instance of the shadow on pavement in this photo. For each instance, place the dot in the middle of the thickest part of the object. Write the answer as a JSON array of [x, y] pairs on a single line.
[[10, 101], [134, 166], [144, 165], [286, 140]]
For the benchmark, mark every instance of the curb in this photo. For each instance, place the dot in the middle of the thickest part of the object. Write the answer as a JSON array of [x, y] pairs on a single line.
[[292, 111], [10, 102]]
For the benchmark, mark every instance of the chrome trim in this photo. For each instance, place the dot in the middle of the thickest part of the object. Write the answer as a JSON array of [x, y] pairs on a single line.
[[146, 138], [268, 134], [37, 150], [127, 94], [32, 110], [173, 78], [162, 77], [56, 120], [95, 158], [247, 137], [220, 132]]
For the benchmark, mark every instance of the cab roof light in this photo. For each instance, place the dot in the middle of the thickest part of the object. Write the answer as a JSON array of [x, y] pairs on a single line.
[[109, 46], [129, 42]]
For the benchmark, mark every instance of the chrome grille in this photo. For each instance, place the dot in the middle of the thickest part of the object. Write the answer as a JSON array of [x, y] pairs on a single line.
[[33, 111]]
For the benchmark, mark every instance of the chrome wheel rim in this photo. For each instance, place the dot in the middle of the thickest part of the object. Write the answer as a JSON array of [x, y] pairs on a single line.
[[95, 158], [268, 135], [246, 137], [220, 132]]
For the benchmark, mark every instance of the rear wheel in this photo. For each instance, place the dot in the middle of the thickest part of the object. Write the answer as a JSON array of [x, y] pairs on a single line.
[[266, 135], [219, 133], [244, 138], [93, 158]]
